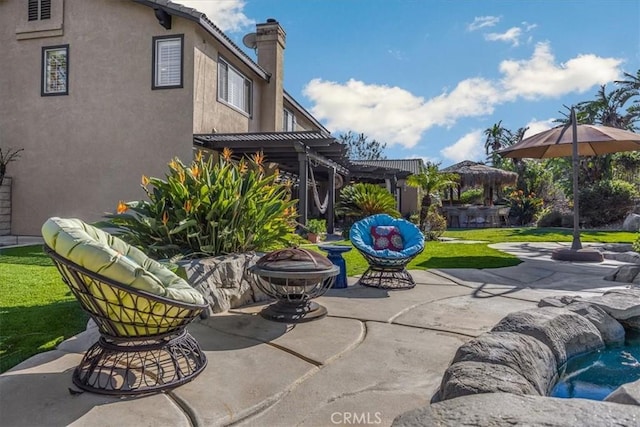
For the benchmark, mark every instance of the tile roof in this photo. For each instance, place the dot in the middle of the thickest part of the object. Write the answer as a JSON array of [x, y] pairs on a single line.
[[407, 165], [199, 17]]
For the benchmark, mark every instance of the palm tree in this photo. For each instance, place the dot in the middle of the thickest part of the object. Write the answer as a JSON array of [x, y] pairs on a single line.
[[430, 180], [499, 137]]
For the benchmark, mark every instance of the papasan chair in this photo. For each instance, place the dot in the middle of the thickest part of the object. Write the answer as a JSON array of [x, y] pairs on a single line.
[[141, 309], [388, 244]]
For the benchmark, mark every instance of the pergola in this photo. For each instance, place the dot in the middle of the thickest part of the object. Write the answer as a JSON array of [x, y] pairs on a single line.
[[295, 153], [298, 152]]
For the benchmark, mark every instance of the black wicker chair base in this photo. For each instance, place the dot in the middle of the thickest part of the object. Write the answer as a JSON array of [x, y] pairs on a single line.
[[387, 279], [127, 367]]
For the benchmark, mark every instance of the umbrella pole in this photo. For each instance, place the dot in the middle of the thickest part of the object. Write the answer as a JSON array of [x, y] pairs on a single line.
[[576, 245]]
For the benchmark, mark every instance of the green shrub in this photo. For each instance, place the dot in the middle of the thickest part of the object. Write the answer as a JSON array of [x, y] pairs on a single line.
[[549, 218], [209, 208], [524, 208], [435, 225], [317, 226], [606, 202], [472, 196], [359, 201]]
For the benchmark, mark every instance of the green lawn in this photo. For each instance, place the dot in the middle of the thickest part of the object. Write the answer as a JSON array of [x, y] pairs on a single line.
[[528, 234], [37, 310]]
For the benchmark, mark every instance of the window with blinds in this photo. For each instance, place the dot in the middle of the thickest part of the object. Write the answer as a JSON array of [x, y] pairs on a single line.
[[233, 87], [39, 9], [167, 62], [289, 121], [55, 70]]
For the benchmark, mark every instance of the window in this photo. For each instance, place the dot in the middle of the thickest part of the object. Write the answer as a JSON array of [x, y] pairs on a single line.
[[167, 62], [289, 121], [233, 87], [39, 9], [55, 70]]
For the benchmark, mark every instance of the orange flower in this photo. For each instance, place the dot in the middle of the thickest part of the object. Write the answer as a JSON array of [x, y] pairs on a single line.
[[226, 153], [165, 218], [122, 207], [181, 176], [199, 155], [187, 206], [242, 167], [145, 180], [195, 171], [258, 158], [174, 165]]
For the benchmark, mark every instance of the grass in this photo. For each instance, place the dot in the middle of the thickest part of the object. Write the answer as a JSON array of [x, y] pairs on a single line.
[[37, 310], [529, 234]]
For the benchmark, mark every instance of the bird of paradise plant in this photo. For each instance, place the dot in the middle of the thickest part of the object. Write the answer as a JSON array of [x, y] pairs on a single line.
[[211, 207]]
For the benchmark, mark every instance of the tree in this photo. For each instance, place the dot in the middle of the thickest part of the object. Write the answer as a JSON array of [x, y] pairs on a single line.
[[430, 180], [499, 137], [359, 147]]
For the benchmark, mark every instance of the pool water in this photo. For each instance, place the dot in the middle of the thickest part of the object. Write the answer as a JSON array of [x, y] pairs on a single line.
[[595, 375]]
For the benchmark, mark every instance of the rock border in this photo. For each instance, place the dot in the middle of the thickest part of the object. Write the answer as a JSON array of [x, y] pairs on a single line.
[[524, 354]]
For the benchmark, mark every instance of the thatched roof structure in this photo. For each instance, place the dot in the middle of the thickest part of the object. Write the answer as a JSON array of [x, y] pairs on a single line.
[[474, 174]]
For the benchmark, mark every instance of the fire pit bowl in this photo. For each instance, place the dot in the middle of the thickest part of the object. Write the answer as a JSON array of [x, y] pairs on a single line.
[[294, 276]]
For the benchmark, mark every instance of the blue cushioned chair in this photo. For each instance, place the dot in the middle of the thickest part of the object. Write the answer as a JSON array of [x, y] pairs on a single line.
[[387, 268]]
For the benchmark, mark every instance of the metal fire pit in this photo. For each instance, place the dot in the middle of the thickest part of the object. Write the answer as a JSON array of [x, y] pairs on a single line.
[[294, 276]]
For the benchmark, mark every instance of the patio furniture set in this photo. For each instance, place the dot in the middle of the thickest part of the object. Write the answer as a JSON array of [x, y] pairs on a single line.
[[142, 309]]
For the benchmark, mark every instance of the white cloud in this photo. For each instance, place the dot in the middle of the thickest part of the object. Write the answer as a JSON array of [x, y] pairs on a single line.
[[396, 116], [226, 14], [483, 22], [512, 35], [539, 76], [537, 126], [469, 147]]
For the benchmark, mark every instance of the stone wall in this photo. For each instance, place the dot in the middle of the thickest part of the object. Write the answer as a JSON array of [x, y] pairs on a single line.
[[224, 281], [5, 207]]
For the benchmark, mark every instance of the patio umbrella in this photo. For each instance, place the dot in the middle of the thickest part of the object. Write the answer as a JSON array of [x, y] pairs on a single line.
[[574, 140]]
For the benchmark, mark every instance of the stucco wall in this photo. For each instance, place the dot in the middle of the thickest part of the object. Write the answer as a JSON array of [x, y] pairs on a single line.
[[210, 115], [88, 149]]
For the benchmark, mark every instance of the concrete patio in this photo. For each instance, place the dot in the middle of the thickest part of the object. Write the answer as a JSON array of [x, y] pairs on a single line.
[[376, 355]]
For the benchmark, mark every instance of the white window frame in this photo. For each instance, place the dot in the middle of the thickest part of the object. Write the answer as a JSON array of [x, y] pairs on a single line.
[[55, 71], [288, 121], [234, 88], [168, 62]]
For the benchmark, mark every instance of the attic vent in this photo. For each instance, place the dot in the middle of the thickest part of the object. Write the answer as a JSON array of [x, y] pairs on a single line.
[[39, 9]]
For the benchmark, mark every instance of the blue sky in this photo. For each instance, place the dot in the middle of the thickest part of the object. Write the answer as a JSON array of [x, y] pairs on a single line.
[[428, 77]]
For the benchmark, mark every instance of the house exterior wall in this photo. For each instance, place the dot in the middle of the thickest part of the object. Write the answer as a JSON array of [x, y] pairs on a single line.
[[210, 115], [86, 150]]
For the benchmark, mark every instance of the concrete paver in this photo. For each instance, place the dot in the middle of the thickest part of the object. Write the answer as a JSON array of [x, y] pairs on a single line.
[[377, 354]]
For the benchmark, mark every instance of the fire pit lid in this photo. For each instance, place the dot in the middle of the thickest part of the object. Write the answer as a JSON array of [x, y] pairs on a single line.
[[294, 259]]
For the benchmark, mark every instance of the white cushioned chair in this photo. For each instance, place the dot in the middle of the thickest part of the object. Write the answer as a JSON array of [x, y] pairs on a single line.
[[141, 309]]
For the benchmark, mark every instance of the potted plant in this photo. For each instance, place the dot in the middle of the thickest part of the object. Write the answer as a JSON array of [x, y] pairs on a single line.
[[6, 156], [315, 229]]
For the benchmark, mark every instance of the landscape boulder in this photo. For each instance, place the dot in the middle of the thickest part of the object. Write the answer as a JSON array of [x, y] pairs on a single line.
[[566, 333], [224, 281], [631, 222], [522, 353], [621, 304], [628, 394]]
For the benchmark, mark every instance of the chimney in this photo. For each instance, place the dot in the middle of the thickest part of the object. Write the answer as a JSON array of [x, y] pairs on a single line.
[[270, 44]]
